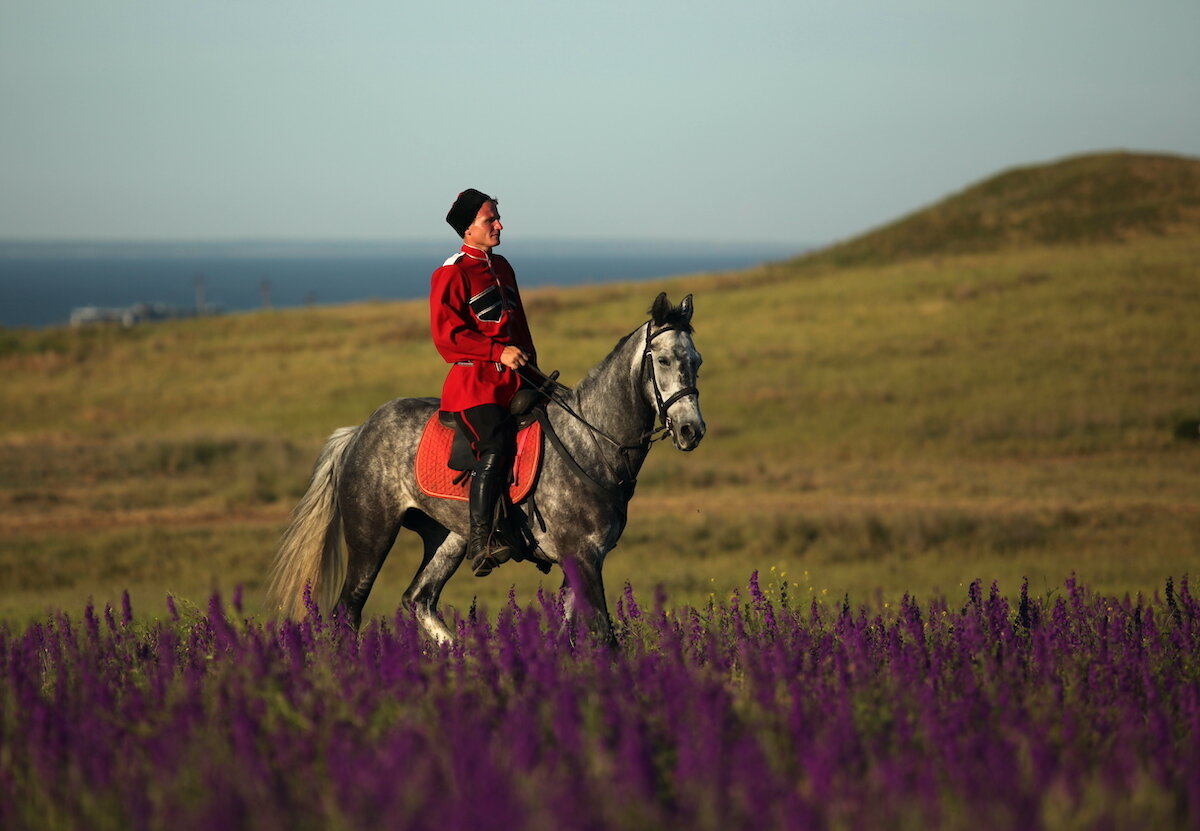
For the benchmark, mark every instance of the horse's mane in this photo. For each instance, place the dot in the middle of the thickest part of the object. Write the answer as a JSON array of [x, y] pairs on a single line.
[[662, 314], [599, 368]]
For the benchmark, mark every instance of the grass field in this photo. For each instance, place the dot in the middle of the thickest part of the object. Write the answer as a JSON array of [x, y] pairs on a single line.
[[873, 431]]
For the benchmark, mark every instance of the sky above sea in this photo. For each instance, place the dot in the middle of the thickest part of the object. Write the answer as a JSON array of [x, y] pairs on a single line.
[[776, 121]]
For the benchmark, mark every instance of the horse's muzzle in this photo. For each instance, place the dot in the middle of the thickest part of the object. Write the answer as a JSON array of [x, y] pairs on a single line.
[[687, 434]]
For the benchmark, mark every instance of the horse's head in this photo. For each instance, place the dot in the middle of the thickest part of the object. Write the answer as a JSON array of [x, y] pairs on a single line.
[[670, 367]]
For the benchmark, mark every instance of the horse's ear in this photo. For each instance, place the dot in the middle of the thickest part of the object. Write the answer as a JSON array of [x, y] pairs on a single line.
[[660, 309], [685, 309]]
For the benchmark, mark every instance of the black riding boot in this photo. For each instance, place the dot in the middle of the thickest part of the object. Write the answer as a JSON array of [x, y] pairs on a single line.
[[486, 550]]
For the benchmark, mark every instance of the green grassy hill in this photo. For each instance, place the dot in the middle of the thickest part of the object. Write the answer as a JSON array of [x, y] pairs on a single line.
[[1086, 200], [905, 425]]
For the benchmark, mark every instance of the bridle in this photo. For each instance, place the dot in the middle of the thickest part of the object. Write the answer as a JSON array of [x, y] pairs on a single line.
[[663, 429]]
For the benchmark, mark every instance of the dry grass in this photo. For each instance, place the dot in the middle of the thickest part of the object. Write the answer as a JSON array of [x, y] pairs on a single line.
[[878, 430]]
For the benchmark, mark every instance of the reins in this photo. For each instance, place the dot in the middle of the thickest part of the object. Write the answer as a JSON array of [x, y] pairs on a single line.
[[552, 390]]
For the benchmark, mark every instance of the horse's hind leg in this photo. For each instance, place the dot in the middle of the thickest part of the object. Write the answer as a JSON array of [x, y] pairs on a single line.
[[367, 545], [443, 553]]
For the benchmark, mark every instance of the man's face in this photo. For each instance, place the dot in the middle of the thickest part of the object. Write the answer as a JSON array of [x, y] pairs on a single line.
[[484, 232]]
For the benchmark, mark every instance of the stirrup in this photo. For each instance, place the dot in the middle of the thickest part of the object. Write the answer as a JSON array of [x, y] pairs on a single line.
[[483, 565], [495, 552]]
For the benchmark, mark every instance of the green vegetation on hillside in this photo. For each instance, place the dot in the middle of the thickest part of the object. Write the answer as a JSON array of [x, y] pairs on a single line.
[[874, 430], [1085, 200]]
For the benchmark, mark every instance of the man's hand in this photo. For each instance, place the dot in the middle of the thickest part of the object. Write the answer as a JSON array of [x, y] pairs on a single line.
[[514, 357]]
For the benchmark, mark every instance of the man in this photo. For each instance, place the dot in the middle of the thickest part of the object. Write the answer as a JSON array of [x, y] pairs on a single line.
[[479, 327]]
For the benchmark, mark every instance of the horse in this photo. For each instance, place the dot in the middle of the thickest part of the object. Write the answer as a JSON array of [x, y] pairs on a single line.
[[363, 488]]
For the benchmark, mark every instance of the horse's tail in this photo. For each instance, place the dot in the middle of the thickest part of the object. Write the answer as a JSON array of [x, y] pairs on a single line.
[[309, 557]]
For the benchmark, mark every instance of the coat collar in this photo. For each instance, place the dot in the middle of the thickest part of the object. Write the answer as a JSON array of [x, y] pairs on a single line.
[[476, 253]]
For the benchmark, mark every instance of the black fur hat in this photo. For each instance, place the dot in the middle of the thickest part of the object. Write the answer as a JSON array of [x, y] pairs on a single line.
[[465, 209]]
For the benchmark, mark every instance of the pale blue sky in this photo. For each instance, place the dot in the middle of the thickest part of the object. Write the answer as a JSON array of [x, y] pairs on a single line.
[[776, 120]]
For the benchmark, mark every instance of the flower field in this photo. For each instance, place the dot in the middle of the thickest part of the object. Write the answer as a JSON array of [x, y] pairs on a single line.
[[1072, 710]]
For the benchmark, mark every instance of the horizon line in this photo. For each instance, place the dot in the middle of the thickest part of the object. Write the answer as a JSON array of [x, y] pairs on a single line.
[[267, 247]]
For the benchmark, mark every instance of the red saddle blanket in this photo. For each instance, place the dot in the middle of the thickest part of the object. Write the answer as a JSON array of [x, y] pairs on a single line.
[[436, 478]]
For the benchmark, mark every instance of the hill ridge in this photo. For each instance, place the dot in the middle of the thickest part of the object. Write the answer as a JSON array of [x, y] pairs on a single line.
[[1085, 199]]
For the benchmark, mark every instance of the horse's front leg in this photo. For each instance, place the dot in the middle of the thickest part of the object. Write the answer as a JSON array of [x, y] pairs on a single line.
[[584, 602]]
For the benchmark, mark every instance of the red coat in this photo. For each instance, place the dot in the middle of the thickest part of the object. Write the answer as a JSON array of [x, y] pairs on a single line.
[[474, 312]]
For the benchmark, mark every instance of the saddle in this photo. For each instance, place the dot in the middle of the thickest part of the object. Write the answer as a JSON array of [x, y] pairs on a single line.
[[445, 459]]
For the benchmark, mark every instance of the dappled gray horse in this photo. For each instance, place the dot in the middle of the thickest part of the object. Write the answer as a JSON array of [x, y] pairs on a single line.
[[364, 485]]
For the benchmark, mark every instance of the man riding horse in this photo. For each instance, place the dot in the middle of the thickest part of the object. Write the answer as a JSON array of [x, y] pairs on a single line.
[[366, 484], [479, 327]]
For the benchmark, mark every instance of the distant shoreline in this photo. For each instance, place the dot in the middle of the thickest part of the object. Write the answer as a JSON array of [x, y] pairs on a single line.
[[42, 283], [267, 248]]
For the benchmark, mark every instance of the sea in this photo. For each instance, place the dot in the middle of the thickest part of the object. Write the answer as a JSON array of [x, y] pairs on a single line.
[[43, 283]]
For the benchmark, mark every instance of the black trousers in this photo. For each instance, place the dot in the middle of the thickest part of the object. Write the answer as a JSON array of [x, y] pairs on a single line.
[[491, 429]]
